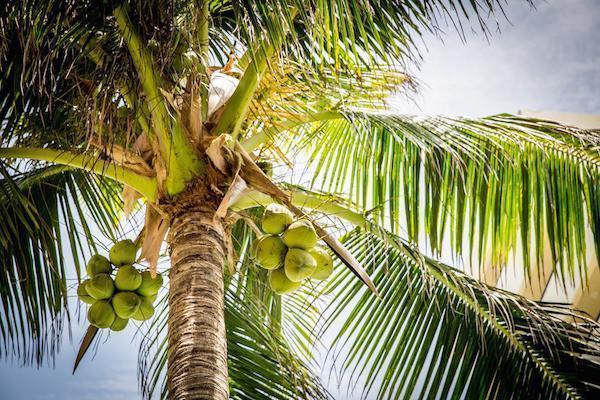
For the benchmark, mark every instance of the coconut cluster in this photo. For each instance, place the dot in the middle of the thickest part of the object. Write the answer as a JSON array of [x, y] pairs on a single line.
[[289, 250], [117, 291]]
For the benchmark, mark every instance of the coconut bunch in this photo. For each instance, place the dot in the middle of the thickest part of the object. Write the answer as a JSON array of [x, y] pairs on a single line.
[[289, 250], [117, 291]]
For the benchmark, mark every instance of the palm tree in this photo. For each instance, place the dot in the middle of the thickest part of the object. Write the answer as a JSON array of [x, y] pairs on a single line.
[[106, 107]]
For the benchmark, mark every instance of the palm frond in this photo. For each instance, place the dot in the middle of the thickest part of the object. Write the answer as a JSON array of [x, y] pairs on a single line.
[[485, 186], [47, 215], [437, 333], [288, 97], [254, 345], [46, 78], [76, 67], [347, 34]]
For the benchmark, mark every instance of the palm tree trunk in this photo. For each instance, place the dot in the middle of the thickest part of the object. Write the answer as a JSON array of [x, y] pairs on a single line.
[[197, 363]]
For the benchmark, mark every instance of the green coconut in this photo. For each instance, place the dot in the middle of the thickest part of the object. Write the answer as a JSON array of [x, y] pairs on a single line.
[[301, 235], [100, 287], [280, 283], [151, 298], [128, 278], [119, 324], [145, 312], [101, 314], [324, 263], [299, 265], [98, 265], [126, 304], [270, 251], [83, 294], [150, 286], [254, 246], [123, 253], [276, 218]]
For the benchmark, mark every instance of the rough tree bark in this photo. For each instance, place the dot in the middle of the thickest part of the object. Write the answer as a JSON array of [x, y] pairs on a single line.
[[197, 363]]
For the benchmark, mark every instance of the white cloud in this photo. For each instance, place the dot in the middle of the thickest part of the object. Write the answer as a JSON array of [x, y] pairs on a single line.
[[547, 59]]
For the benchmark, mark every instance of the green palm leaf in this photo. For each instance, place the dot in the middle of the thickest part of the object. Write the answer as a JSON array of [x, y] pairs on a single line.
[[485, 185], [76, 65], [347, 34], [47, 215], [436, 332]]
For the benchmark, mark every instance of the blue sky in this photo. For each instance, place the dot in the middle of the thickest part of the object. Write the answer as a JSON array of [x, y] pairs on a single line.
[[547, 59]]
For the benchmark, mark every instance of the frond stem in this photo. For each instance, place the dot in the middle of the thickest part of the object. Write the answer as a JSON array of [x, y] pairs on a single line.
[[267, 134], [145, 185], [175, 148], [237, 106], [203, 41], [304, 200]]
